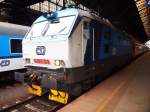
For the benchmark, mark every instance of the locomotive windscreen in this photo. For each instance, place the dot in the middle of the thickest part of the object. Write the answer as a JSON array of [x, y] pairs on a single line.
[[51, 28]]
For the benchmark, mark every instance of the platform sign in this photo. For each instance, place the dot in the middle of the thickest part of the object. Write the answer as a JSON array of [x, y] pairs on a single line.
[[148, 3]]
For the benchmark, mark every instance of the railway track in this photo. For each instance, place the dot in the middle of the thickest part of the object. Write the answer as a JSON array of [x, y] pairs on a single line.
[[12, 93], [33, 104], [15, 98], [4, 84]]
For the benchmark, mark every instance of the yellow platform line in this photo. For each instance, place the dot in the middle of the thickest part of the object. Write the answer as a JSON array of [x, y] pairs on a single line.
[[109, 98]]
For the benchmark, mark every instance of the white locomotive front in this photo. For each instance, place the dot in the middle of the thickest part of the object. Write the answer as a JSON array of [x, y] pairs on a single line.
[[48, 43]]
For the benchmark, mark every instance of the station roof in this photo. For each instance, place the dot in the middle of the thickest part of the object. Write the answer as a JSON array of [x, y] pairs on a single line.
[[144, 13], [129, 15]]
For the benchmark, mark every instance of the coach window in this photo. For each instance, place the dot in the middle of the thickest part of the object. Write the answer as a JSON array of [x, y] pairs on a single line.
[[16, 45]]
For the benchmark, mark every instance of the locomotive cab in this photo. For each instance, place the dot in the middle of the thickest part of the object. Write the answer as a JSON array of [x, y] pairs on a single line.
[[47, 43]]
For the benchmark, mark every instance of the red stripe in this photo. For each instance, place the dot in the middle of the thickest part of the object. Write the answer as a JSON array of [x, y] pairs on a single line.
[[42, 61]]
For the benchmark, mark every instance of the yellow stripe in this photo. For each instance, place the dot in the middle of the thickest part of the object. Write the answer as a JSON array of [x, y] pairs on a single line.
[[108, 99]]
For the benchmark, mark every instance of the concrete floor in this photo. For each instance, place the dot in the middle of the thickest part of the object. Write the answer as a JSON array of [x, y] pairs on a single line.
[[125, 91]]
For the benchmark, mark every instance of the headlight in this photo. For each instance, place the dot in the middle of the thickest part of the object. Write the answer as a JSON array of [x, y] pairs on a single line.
[[27, 60], [59, 63]]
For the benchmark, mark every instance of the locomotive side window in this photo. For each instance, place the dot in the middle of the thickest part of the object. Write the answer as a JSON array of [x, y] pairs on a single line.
[[107, 37], [106, 48], [119, 38], [86, 30], [16, 45]]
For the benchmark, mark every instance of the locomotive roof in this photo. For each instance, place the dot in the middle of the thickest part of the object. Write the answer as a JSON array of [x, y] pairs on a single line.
[[75, 11], [96, 17], [60, 13], [80, 12], [101, 20], [12, 29]]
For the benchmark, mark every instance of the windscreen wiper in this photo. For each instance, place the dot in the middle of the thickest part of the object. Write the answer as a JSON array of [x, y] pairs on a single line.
[[45, 29], [62, 29]]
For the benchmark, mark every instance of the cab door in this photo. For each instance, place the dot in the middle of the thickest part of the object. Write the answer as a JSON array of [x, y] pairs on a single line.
[[88, 42]]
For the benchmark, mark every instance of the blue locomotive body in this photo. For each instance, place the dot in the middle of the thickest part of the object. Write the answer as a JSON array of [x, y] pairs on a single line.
[[71, 48]]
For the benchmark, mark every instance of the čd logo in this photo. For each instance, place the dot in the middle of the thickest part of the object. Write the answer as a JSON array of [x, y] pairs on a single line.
[[40, 50]]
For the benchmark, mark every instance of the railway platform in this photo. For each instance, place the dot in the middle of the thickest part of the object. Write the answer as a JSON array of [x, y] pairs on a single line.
[[125, 91]]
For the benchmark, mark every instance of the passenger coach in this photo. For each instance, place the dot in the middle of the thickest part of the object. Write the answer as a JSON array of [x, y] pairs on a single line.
[[11, 36]]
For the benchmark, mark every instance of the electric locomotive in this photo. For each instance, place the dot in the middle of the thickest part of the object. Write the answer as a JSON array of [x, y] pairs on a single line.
[[11, 36], [69, 50]]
